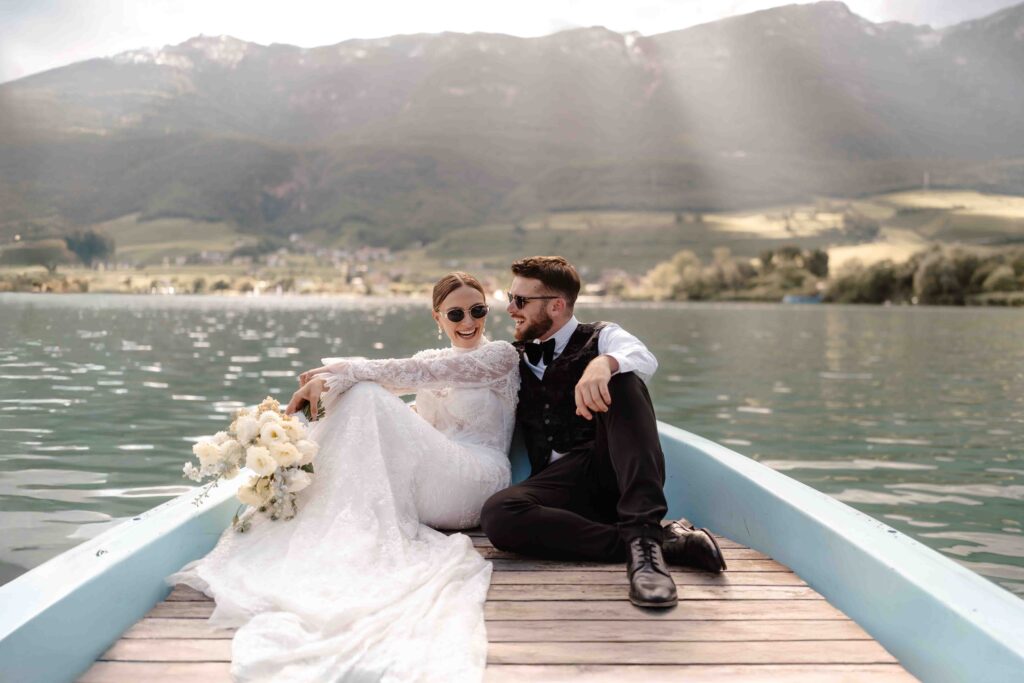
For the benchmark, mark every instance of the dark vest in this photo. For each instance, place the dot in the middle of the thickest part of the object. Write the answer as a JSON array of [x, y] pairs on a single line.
[[546, 413]]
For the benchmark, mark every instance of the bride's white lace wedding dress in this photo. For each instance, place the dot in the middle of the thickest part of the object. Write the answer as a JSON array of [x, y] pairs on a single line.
[[358, 586]]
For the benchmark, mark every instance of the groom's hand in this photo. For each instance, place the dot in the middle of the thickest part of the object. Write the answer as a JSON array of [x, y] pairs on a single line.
[[592, 395]]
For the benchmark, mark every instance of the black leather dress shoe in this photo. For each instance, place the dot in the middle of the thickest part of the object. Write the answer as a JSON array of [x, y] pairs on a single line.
[[650, 584], [690, 547]]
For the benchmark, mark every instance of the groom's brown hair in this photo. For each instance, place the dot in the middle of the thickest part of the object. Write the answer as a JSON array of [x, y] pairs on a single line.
[[557, 274]]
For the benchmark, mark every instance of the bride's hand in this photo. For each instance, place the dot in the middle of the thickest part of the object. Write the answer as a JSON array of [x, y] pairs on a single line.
[[309, 393], [308, 374]]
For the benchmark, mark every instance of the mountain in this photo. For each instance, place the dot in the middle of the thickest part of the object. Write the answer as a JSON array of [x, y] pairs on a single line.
[[402, 139]]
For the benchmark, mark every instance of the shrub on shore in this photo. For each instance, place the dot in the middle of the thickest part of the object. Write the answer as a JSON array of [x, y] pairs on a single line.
[[938, 276], [787, 270], [954, 276]]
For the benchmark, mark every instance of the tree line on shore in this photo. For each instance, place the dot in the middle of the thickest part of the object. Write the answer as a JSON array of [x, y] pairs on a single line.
[[937, 276], [955, 276]]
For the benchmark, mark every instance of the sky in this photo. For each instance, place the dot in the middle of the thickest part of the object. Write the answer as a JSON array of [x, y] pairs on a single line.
[[36, 35]]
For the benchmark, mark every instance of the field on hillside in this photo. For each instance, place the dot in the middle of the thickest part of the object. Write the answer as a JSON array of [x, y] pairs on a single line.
[[600, 241], [912, 221], [152, 241]]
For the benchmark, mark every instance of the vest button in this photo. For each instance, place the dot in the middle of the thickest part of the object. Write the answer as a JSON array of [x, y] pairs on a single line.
[[550, 438], [547, 421], [547, 405]]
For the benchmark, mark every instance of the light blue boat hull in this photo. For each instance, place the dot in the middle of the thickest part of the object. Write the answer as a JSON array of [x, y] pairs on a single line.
[[943, 622]]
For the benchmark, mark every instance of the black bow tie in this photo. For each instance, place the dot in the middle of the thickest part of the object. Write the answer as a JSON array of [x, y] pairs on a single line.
[[544, 349]]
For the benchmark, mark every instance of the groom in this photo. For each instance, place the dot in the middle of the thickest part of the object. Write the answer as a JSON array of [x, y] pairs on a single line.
[[595, 491]]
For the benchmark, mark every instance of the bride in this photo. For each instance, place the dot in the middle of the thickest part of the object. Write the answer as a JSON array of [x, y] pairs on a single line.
[[359, 586]]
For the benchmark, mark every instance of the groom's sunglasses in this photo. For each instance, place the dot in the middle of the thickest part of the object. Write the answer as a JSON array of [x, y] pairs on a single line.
[[457, 314], [521, 301]]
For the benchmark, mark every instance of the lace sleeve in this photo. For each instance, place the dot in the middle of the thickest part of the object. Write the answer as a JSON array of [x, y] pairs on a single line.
[[429, 370]]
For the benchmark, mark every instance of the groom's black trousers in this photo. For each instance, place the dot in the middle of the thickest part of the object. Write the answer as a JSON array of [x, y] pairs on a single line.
[[589, 504]]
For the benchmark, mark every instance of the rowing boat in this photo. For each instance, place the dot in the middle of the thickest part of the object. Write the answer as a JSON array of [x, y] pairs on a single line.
[[925, 615]]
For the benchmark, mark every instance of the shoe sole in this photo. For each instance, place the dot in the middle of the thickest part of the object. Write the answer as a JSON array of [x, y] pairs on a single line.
[[641, 603], [717, 549]]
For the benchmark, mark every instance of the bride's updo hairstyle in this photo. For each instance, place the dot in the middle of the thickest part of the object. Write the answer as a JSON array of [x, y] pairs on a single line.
[[452, 281]]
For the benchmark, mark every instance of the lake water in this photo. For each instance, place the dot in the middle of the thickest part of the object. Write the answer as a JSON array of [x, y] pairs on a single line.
[[912, 415]]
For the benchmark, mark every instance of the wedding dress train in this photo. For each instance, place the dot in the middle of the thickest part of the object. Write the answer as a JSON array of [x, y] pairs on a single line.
[[358, 587]]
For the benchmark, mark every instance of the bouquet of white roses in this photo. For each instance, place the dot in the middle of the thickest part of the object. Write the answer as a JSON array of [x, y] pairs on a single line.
[[271, 444]]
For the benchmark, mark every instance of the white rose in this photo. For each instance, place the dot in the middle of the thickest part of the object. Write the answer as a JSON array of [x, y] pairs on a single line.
[[308, 449], [272, 432], [220, 437], [259, 461], [299, 480], [247, 493], [191, 472], [294, 430], [269, 403], [269, 416], [232, 451], [247, 428], [208, 454], [285, 454]]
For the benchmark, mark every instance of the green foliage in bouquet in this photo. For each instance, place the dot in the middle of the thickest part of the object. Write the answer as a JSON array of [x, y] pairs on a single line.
[[320, 412]]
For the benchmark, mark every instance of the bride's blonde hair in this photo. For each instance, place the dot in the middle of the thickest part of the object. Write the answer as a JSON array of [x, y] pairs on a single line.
[[452, 281]]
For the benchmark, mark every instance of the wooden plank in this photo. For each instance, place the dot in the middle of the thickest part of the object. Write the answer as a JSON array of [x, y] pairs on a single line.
[[177, 628], [186, 593], [218, 672], [762, 565], [477, 533], [168, 650], [621, 609], [713, 610], [750, 652], [519, 563], [617, 577], [160, 672], [731, 554], [727, 552], [538, 591], [182, 609], [561, 631], [707, 652], [611, 589], [652, 631], [767, 673]]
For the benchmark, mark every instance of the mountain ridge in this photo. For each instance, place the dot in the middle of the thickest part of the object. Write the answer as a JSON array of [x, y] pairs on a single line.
[[418, 134]]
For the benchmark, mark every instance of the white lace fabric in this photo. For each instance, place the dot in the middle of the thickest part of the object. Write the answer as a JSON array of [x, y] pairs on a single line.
[[358, 586]]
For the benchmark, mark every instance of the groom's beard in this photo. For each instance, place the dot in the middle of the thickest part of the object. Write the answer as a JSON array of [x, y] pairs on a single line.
[[535, 329]]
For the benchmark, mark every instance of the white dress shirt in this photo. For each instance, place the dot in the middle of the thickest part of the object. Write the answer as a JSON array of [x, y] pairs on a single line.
[[627, 350]]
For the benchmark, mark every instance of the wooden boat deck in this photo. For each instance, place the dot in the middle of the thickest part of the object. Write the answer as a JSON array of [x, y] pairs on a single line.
[[572, 621]]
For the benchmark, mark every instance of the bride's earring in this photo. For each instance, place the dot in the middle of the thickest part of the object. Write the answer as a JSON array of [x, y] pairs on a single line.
[[439, 333]]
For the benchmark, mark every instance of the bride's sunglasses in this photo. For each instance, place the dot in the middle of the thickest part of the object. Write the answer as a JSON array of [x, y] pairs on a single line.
[[457, 314]]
